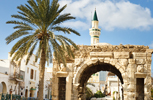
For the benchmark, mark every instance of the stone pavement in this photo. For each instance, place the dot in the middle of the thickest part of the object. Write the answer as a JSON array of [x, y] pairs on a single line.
[[105, 98]]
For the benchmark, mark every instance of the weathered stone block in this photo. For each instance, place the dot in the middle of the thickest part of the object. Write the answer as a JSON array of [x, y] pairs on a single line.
[[106, 60], [94, 60], [113, 61], [149, 54], [131, 67], [140, 69], [89, 62], [117, 65], [78, 61], [70, 67], [149, 50], [147, 80], [101, 54], [121, 55], [139, 55], [101, 60], [131, 61], [140, 61], [145, 68], [62, 74], [140, 75], [123, 62], [121, 69], [148, 61], [131, 88]]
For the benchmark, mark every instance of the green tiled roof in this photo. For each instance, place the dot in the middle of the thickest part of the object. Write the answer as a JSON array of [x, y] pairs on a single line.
[[95, 16]]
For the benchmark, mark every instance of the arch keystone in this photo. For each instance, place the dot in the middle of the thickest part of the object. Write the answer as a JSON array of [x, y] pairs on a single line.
[[107, 60], [101, 60]]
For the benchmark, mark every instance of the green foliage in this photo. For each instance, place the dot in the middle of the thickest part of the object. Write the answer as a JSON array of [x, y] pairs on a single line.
[[89, 93], [114, 92], [152, 93], [99, 94], [35, 26]]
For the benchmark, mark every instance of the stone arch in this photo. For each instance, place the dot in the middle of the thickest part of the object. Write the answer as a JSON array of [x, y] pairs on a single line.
[[96, 62], [131, 61], [92, 66]]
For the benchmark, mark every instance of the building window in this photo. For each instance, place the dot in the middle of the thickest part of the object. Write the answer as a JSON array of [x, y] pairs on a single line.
[[31, 75], [34, 63], [46, 96], [27, 70], [35, 74]]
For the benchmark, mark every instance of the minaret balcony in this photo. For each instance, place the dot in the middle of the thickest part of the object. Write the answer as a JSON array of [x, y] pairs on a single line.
[[92, 29], [95, 33]]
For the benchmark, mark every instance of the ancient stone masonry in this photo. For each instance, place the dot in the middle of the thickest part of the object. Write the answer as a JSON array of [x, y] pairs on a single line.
[[131, 63]]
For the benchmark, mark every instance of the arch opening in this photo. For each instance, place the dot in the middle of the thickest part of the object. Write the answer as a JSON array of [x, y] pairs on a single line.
[[3, 88], [96, 68], [88, 71]]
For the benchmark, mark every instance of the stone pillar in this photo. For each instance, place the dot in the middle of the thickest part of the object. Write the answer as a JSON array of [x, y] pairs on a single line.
[[55, 88], [131, 75], [147, 81], [84, 91], [125, 85], [68, 88], [75, 92]]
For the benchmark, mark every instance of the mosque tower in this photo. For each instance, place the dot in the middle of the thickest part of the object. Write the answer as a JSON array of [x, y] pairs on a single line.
[[95, 31]]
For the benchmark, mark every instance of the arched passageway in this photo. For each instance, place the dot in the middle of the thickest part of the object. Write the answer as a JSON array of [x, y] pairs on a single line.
[[3, 88], [87, 72], [96, 68]]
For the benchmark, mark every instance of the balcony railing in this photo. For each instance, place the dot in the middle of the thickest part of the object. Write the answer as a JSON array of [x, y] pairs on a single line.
[[16, 76]]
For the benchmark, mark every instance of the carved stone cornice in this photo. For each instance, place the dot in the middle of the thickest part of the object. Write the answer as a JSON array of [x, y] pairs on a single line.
[[84, 50]]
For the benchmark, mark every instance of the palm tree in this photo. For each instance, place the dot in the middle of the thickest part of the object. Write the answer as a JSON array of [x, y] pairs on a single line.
[[36, 25]]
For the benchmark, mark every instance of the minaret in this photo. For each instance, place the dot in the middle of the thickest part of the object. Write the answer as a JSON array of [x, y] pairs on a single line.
[[94, 31]]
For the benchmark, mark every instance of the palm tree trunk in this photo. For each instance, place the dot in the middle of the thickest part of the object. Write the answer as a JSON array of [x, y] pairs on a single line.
[[41, 74]]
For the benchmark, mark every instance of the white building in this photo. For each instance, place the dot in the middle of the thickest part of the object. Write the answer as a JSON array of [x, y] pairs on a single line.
[[113, 85], [48, 82], [94, 79], [24, 79], [9, 77]]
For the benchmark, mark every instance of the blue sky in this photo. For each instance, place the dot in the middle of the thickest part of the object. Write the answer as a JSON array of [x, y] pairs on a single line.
[[121, 21]]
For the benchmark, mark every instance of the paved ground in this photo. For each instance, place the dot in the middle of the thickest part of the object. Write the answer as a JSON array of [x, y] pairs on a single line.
[[107, 98]]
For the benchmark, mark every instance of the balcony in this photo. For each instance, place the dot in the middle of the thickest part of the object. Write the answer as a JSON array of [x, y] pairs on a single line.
[[16, 76]]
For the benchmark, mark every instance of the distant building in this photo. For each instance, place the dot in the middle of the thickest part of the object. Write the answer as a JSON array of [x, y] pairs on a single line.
[[113, 84], [94, 79], [24, 79], [102, 78]]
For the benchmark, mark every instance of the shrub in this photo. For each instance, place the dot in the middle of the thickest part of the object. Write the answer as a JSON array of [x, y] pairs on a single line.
[[99, 94]]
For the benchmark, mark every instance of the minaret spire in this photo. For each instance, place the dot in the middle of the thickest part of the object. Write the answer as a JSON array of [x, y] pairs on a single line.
[[95, 31], [95, 18]]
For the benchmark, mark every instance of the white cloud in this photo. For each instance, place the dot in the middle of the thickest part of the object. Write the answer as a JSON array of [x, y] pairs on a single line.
[[119, 14], [151, 45], [76, 24]]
